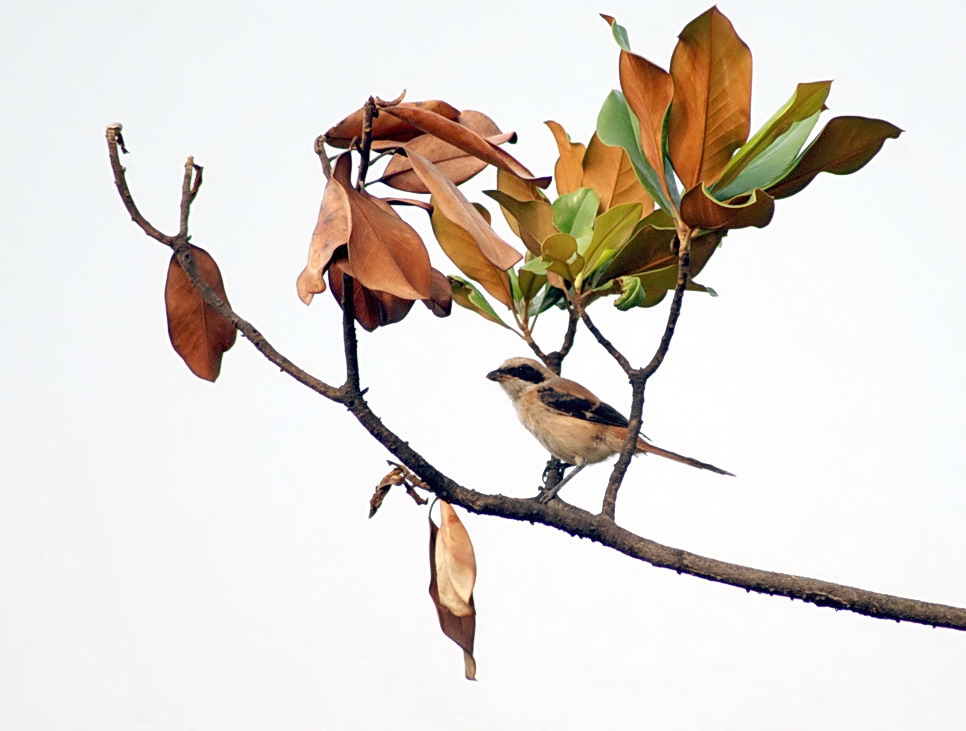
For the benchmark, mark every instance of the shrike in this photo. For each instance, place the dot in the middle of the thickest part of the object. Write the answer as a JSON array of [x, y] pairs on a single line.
[[573, 425]]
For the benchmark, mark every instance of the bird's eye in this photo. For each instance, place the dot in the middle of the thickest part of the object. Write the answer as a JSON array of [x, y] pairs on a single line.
[[526, 373]]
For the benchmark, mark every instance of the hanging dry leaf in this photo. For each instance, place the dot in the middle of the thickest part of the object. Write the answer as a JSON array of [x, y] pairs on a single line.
[[568, 172], [372, 308], [198, 334], [461, 628], [386, 127], [440, 300], [453, 162], [711, 112], [331, 231], [453, 204], [386, 253], [609, 172], [465, 139], [519, 189]]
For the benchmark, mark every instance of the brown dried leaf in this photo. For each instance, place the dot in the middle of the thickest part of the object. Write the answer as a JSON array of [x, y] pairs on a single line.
[[331, 231], [386, 253], [372, 308], [440, 301], [455, 164], [701, 210], [519, 189], [462, 250], [460, 629], [395, 477], [465, 139], [609, 172], [198, 334], [711, 111], [568, 172], [448, 199], [384, 127]]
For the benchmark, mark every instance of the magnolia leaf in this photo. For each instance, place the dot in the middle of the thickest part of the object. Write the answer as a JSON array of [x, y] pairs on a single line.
[[197, 333], [534, 218], [560, 247], [632, 295], [462, 250], [453, 204], [574, 213], [617, 126], [609, 172], [612, 229], [518, 189], [773, 163], [372, 308], [386, 254], [845, 145], [619, 32], [465, 139], [568, 172], [648, 89], [807, 102], [331, 231], [648, 248], [711, 111], [529, 284], [700, 210], [468, 296], [385, 127], [453, 162], [460, 629], [440, 301]]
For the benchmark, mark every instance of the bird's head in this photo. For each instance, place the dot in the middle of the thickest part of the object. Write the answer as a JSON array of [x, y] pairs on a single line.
[[519, 374]]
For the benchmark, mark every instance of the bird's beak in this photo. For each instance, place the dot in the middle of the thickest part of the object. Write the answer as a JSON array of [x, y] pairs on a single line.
[[496, 375]]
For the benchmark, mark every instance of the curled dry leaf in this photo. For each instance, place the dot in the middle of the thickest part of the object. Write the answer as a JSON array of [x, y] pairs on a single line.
[[198, 334], [448, 199], [710, 115], [396, 476], [449, 549], [385, 127], [453, 162], [568, 173], [331, 231], [386, 253], [440, 300], [372, 308], [466, 140]]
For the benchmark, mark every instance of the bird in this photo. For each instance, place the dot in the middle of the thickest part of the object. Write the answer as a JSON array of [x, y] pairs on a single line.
[[569, 421]]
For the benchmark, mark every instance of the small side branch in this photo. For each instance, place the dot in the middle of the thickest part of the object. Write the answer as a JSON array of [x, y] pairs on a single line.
[[350, 343]]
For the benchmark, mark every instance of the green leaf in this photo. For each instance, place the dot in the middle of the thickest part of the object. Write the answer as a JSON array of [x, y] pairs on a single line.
[[560, 247], [538, 266], [620, 33], [632, 294], [773, 163], [618, 127], [573, 213], [844, 146], [468, 296], [807, 102], [612, 229]]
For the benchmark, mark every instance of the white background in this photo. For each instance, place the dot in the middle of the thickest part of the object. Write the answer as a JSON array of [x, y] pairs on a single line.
[[181, 555]]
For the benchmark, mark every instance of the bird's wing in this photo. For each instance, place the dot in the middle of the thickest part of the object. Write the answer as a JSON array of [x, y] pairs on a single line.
[[579, 403]]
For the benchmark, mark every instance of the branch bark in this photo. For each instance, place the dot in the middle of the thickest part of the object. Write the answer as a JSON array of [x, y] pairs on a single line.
[[557, 514]]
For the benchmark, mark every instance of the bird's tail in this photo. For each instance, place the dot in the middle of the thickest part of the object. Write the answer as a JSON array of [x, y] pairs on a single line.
[[643, 446]]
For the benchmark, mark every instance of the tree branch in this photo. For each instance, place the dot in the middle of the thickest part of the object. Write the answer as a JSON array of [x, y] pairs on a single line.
[[557, 514]]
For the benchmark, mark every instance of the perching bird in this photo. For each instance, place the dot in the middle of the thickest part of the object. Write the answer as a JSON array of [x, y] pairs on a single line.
[[573, 424]]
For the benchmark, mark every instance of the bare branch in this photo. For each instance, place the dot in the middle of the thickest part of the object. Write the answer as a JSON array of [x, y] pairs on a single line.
[[557, 514], [604, 342], [349, 342]]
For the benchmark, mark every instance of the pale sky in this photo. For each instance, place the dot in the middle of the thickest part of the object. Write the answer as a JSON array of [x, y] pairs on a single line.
[[180, 555]]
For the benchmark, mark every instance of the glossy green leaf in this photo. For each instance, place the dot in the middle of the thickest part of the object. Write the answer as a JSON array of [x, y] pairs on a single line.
[[617, 126], [620, 33], [773, 163], [468, 296], [845, 145], [574, 213], [807, 101]]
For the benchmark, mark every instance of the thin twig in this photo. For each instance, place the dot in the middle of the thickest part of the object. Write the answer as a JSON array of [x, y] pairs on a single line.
[[604, 342], [350, 344], [554, 360], [369, 112], [319, 148]]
